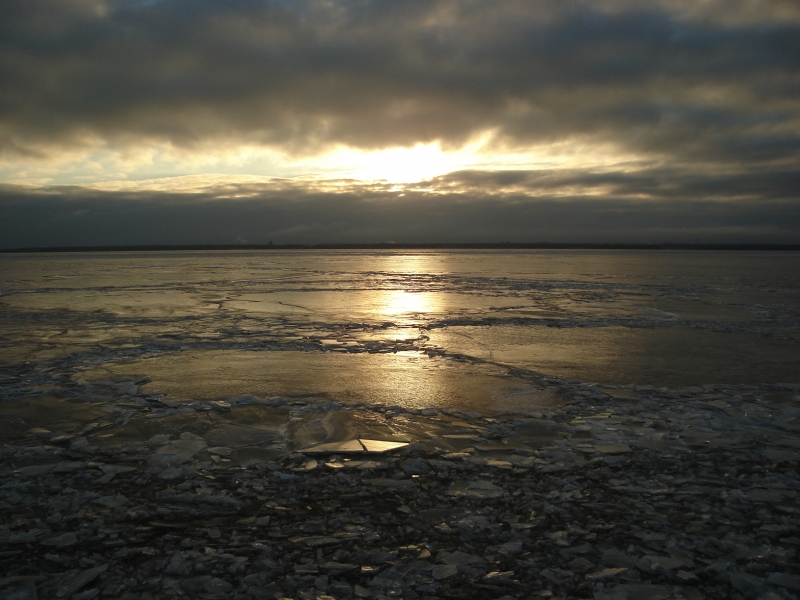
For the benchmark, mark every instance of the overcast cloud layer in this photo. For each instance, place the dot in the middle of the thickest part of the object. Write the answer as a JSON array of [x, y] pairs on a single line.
[[628, 120], [511, 207]]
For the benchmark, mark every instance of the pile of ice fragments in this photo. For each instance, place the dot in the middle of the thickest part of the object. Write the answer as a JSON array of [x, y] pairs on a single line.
[[644, 495]]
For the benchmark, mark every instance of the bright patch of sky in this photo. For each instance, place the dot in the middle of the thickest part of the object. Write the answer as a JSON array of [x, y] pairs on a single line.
[[162, 166]]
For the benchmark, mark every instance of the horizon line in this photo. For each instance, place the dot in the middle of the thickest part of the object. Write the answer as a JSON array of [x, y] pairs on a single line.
[[406, 246]]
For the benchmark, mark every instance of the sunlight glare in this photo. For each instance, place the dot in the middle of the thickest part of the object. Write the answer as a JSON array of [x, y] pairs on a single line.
[[395, 165], [401, 302]]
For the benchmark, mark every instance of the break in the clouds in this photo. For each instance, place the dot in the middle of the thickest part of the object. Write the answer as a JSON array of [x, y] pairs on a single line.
[[617, 101]]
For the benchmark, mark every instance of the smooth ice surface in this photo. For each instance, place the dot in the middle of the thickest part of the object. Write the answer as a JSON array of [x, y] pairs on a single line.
[[404, 378], [671, 356]]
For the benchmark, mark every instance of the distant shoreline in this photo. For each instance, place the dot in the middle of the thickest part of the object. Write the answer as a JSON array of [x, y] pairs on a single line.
[[402, 246]]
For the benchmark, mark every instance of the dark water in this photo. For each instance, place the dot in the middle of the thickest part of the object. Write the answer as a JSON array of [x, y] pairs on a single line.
[[479, 330]]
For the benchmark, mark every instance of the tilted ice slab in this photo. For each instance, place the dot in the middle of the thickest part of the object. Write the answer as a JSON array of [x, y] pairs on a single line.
[[354, 446]]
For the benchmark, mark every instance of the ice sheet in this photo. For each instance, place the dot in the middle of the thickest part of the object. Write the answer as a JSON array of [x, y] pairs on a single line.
[[480, 330]]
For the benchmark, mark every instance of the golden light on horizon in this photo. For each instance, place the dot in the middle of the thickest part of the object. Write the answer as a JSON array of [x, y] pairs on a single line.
[[395, 165], [421, 162], [169, 168]]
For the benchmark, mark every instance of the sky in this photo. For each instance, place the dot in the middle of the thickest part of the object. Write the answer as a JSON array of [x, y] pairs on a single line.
[[359, 121]]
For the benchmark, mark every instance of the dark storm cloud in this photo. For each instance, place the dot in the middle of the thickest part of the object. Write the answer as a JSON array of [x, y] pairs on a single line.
[[468, 207], [661, 184], [299, 75]]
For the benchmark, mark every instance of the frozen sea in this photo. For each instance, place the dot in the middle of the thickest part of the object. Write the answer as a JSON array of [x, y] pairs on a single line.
[[487, 331], [449, 424]]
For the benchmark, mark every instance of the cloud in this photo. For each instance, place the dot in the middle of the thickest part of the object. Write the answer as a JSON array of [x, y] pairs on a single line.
[[677, 82], [554, 120], [653, 207]]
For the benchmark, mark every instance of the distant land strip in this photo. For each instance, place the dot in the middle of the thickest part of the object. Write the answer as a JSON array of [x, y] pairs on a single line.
[[405, 246]]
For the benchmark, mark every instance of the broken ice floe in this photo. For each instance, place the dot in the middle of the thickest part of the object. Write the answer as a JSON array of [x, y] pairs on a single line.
[[613, 499], [354, 446]]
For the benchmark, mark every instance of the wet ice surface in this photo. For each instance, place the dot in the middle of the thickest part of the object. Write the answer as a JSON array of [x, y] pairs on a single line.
[[661, 318], [389, 425], [406, 378]]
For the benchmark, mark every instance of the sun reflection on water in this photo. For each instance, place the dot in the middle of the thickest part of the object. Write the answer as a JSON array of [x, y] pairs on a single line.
[[408, 303], [401, 302]]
